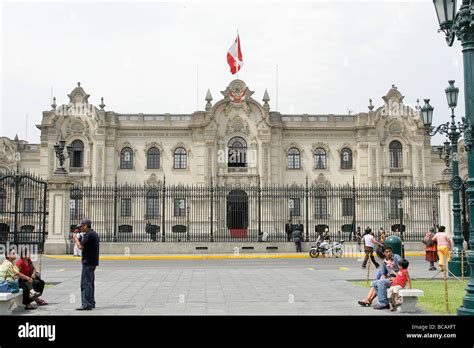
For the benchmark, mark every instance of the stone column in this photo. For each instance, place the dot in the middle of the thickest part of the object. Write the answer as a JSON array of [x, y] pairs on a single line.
[[58, 219]]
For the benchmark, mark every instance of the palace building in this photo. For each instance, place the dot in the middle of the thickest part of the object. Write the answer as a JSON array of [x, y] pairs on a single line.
[[234, 140], [236, 170]]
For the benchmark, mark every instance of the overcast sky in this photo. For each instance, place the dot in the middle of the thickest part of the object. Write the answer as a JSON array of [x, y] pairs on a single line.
[[144, 57]]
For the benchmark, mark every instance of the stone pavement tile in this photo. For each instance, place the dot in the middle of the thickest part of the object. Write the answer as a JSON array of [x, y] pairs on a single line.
[[195, 308], [134, 311], [217, 312], [215, 299]]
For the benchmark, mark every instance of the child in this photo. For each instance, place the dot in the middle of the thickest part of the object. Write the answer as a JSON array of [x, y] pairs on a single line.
[[77, 251], [398, 283]]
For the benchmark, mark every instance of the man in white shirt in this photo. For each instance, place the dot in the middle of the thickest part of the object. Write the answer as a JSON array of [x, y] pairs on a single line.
[[369, 244]]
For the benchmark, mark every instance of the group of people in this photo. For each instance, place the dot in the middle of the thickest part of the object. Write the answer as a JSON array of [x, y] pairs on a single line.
[[394, 273], [295, 232], [22, 272], [390, 280], [437, 248]]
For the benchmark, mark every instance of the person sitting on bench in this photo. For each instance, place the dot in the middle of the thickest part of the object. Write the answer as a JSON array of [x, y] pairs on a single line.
[[26, 267], [10, 272]]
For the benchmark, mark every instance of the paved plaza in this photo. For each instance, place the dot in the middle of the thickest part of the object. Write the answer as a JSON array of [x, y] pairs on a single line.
[[214, 287]]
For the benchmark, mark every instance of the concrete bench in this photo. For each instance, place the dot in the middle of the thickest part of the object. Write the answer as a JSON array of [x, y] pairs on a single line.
[[9, 301], [409, 299]]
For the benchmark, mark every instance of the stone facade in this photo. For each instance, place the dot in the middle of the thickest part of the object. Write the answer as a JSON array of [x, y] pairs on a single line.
[[268, 136]]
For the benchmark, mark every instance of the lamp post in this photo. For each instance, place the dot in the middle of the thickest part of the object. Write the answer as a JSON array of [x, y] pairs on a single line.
[[450, 152], [460, 24], [59, 150]]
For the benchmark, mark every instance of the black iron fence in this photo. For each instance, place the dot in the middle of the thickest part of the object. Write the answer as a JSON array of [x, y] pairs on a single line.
[[203, 213], [23, 209]]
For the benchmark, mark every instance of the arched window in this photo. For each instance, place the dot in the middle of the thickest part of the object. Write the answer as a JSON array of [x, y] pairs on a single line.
[[126, 158], [294, 158], [237, 156], [395, 150], [153, 158], [180, 158], [320, 158], [346, 158], [77, 154], [152, 204]]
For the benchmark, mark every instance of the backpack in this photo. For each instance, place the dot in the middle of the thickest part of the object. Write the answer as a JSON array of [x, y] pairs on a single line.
[[428, 240]]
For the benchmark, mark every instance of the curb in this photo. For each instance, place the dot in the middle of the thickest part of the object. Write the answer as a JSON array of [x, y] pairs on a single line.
[[206, 257]]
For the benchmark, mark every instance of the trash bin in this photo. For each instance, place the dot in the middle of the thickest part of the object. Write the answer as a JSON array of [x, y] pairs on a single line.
[[395, 243]]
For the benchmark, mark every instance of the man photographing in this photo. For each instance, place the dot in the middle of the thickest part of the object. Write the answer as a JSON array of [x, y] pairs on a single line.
[[89, 244]]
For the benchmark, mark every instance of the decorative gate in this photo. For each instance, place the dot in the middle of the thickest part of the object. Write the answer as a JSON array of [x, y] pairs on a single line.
[[236, 213], [23, 209]]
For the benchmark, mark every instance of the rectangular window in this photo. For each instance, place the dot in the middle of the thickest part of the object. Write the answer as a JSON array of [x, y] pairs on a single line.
[[180, 207], [396, 207], [28, 206], [347, 207], [3, 205], [321, 209], [294, 205], [76, 209], [126, 207], [152, 207]]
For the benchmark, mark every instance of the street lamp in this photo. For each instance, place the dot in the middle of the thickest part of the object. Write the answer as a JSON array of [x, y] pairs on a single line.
[[460, 24], [450, 152], [444, 153], [59, 150], [452, 93], [446, 11]]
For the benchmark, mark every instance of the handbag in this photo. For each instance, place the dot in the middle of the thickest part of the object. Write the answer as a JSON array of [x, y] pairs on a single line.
[[4, 286], [14, 287], [8, 286]]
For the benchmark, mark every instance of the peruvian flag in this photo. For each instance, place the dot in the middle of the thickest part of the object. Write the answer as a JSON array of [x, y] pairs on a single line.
[[234, 56]]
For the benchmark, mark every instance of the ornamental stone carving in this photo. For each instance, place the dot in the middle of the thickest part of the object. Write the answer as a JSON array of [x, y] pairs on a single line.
[[237, 125]]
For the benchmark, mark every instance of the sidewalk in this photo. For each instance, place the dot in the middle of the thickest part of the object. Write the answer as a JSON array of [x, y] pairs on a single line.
[[214, 287], [303, 255]]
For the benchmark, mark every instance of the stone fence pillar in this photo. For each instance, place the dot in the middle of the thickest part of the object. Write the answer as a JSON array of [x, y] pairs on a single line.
[[445, 206], [58, 220]]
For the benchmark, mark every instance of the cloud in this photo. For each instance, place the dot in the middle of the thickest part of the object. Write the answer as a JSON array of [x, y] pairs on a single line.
[[144, 57]]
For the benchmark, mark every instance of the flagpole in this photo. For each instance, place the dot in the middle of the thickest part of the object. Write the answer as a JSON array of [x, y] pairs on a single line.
[[276, 106], [237, 60], [197, 87]]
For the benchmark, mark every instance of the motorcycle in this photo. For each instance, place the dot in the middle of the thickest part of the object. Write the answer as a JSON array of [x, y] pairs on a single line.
[[324, 248]]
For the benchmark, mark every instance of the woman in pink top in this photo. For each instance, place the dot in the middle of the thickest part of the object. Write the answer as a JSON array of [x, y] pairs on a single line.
[[444, 245]]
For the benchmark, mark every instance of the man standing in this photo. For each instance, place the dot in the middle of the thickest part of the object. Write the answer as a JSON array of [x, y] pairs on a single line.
[[90, 260], [298, 236], [288, 229]]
